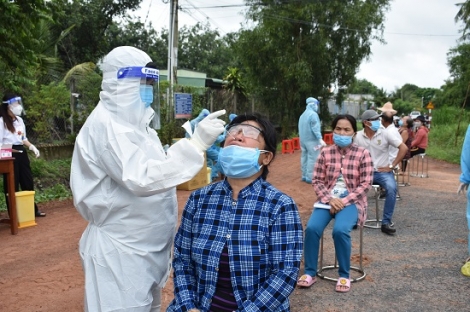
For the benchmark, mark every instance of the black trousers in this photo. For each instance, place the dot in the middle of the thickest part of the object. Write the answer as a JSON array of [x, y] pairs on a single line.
[[418, 151], [23, 175]]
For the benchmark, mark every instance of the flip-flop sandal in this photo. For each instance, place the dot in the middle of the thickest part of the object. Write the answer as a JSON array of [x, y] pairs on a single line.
[[306, 281], [466, 268], [40, 214], [343, 285]]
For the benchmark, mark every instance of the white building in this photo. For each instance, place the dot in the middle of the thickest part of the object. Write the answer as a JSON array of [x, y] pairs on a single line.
[[354, 104]]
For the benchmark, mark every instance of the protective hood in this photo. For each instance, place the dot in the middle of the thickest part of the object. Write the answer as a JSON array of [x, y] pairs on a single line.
[[312, 103], [121, 97]]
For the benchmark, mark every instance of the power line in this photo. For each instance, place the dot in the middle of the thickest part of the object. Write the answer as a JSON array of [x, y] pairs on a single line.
[[202, 13], [148, 11]]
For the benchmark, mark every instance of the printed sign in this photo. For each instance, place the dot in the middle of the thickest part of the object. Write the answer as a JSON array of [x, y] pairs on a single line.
[[183, 105]]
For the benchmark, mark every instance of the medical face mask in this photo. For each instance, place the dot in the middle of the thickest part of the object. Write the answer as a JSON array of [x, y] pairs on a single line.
[[16, 109], [400, 123], [342, 140], [146, 94], [239, 162], [375, 125]]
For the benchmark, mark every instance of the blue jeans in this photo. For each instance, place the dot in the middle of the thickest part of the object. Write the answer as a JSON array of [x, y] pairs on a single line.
[[387, 181], [344, 222]]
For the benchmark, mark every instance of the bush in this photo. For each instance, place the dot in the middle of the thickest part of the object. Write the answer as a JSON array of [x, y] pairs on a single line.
[[51, 180]]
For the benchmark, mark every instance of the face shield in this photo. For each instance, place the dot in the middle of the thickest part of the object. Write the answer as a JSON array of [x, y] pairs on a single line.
[[148, 88], [15, 105]]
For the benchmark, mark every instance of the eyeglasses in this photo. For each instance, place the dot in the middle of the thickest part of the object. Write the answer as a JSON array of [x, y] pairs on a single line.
[[248, 131]]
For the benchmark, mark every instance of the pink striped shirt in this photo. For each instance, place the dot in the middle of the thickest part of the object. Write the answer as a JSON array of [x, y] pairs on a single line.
[[357, 167]]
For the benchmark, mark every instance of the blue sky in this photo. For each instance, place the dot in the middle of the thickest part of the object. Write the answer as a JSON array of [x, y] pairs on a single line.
[[418, 35]]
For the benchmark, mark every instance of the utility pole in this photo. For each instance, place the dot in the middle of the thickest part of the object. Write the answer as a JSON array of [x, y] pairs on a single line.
[[172, 54], [175, 41]]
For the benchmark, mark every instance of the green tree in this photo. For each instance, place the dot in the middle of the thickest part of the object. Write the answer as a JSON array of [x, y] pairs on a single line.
[[454, 91], [49, 112], [90, 20], [136, 34], [463, 15], [18, 55], [202, 49], [362, 86], [298, 49]]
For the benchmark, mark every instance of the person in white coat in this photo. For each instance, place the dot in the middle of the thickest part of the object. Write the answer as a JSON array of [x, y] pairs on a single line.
[[124, 185]]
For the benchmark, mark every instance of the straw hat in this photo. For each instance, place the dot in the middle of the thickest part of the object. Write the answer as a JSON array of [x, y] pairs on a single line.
[[388, 107]]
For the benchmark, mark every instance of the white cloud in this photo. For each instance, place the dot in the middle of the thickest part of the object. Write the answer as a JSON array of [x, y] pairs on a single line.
[[419, 33]]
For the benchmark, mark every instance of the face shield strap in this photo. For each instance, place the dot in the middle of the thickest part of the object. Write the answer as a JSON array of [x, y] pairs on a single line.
[[13, 100]]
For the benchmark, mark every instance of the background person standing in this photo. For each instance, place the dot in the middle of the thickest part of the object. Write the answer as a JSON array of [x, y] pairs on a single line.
[[310, 138], [13, 131]]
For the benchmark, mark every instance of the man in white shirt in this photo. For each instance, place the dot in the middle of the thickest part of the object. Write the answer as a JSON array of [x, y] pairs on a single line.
[[377, 140], [387, 122]]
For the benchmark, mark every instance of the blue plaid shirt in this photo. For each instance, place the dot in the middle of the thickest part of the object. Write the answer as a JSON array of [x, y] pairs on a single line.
[[263, 233]]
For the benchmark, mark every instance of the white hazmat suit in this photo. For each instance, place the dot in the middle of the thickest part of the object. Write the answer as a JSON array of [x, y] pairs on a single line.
[[310, 138], [123, 184]]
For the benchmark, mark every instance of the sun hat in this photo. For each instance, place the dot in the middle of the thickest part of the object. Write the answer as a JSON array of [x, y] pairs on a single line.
[[369, 114], [388, 107]]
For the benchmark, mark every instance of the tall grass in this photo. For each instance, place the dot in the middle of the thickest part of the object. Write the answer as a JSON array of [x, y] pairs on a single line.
[[445, 140]]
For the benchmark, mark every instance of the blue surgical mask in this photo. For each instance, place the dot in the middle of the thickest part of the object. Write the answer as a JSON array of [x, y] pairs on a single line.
[[146, 94], [400, 122], [375, 125], [342, 140], [239, 162]]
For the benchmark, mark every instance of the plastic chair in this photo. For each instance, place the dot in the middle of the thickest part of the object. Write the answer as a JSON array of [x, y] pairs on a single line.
[[296, 142], [287, 147], [359, 269], [328, 138]]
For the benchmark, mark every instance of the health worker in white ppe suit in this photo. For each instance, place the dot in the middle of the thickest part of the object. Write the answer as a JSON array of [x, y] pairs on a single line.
[[124, 185], [310, 138]]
